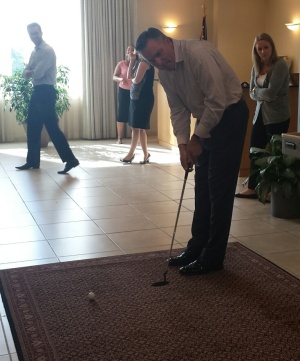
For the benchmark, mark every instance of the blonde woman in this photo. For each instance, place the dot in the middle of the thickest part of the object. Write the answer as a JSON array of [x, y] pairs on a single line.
[[269, 87]]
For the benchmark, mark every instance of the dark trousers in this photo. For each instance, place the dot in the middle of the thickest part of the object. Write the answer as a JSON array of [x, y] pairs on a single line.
[[260, 136], [216, 174], [42, 112]]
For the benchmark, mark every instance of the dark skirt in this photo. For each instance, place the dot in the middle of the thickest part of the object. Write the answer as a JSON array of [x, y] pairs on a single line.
[[123, 105], [140, 112]]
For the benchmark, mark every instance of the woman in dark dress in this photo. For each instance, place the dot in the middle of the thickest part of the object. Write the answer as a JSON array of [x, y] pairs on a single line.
[[141, 105]]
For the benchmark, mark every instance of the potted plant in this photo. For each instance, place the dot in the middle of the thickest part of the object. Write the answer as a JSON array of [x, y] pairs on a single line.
[[17, 92], [278, 174]]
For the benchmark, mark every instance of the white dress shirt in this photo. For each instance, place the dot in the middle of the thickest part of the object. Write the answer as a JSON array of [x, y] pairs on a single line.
[[43, 64], [202, 85]]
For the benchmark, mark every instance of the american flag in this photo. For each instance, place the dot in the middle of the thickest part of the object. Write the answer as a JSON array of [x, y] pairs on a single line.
[[203, 35], [204, 29]]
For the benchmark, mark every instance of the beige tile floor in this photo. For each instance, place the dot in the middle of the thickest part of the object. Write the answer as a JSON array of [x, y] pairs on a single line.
[[104, 208]]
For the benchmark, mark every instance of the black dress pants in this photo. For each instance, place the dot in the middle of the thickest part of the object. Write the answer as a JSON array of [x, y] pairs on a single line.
[[216, 174], [42, 112]]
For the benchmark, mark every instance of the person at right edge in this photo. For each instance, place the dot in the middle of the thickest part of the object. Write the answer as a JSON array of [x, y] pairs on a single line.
[[269, 86], [198, 81]]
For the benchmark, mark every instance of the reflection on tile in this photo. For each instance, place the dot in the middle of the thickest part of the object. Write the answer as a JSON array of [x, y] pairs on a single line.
[[20, 234], [12, 206], [88, 192], [240, 214], [71, 183], [34, 262], [111, 211], [19, 252], [9, 221], [82, 245], [119, 181], [144, 197], [169, 219], [91, 255], [171, 185], [155, 249], [284, 224], [157, 207], [188, 204], [107, 200], [51, 205], [272, 242], [70, 229], [289, 261], [246, 227], [182, 235], [125, 224], [140, 239], [130, 187], [42, 195], [60, 216], [176, 193], [296, 232]]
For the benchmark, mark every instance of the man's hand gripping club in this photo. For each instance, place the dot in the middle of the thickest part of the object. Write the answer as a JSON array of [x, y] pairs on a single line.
[[189, 153]]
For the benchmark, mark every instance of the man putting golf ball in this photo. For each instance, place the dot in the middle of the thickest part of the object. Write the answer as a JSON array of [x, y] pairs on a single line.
[[199, 82]]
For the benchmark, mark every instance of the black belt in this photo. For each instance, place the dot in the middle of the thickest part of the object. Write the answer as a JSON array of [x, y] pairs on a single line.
[[231, 106], [41, 86]]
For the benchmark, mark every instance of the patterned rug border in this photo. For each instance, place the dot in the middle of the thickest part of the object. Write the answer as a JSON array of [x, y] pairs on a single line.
[[266, 266]]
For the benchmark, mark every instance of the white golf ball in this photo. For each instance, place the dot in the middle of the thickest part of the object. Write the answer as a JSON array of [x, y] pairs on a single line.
[[91, 296]]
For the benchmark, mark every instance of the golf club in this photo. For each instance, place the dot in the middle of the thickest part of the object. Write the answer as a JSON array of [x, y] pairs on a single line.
[[165, 282]]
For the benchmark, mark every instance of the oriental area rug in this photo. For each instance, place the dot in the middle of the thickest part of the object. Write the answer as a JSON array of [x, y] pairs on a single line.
[[250, 311]]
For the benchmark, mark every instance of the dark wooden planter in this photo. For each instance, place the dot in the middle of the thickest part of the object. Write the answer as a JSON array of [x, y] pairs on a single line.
[[282, 207]]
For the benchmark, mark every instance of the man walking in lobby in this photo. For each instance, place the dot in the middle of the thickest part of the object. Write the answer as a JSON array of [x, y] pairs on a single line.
[[42, 70], [199, 82]]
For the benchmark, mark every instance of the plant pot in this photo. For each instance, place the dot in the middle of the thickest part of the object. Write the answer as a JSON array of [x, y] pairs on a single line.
[[282, 207], [44, 136]]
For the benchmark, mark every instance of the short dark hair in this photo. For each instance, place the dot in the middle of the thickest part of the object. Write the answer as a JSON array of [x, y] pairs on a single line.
[[33, 25], [151, 33]]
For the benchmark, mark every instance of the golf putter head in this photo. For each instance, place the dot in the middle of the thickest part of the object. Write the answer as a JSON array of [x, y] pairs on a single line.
[[161, 283]]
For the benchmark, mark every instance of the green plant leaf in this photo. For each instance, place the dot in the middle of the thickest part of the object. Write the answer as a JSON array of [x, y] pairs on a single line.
[[277, 171], [17, 92]]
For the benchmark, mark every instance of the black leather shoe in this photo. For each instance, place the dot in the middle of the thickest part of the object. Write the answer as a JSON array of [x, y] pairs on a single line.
[[200, 267], [28, 166], [183, 259], [248, 196], [69, 165]]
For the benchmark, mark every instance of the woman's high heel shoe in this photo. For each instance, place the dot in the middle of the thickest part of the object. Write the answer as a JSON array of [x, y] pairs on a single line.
[[146, 160], [127, 160]]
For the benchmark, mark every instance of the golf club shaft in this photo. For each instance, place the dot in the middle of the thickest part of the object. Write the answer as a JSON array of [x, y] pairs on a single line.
[[178, 212]]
